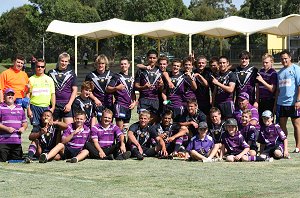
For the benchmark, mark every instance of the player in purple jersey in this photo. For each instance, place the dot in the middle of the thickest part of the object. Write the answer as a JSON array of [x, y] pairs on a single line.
[[149, 83], [12, 124], [121, 86], [201, 146], [191, 86], [202, 75], [101, 78], [72, 144], [108, 141], [140, 136], [233, 143], [272, 139], [246, 78], [65, 82], [243, 102], [84, 103], [224, 88], [267, 84], [45, 136]]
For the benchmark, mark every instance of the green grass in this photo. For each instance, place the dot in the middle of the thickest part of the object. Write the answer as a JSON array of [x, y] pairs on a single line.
[[151, 178]]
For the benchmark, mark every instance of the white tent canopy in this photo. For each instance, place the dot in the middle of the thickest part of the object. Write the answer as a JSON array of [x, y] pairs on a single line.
[[221, 28]]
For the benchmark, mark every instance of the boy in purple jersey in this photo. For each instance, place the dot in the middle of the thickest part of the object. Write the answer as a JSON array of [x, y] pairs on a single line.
[[201, 146], [139, 139], [202, 75], [149, 83], [243, 101], [45, 136], [65, 82], [108, 142], [272, 139], [72, 144], [12, 124], [224, 88], [246, 78], [191, 86], [101, 78], [267, 84], [84, 103], [233, 143], [121, 86]]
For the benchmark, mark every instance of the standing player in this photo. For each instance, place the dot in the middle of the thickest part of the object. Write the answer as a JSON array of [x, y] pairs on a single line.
[[65, 82], [101, 78], [191, 86], [121, 86]]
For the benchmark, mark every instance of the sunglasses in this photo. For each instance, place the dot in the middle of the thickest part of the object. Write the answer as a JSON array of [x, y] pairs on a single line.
[[40, 66]]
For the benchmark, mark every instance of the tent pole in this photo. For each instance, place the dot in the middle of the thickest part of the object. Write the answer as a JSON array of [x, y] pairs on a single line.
[[132, 55], [221, 46], [247, 42], [75, 55], [158, 46], [97, 46], [190, 43]]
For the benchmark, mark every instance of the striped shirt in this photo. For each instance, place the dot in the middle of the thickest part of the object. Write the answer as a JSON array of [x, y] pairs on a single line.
[[106, 136], [78, 141], [14, 118]]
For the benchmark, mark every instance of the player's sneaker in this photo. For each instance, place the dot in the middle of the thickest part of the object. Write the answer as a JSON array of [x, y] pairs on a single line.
[[296, 150], [139, 156], [124, 156], [43, 158], [207, 160], [270, 159], [28, 160], [74, 160]]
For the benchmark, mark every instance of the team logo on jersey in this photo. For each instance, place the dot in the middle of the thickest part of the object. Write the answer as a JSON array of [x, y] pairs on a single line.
[[102, 80], [142, 135], [60, 75]]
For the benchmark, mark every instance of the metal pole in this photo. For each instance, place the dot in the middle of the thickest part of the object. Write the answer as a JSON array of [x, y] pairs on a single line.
[[44, 47], [132, 55], [75, 66], [190, 44], [247, 42]]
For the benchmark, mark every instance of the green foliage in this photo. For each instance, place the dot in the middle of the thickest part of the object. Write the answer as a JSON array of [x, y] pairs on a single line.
[[291, 7], [264, 9]]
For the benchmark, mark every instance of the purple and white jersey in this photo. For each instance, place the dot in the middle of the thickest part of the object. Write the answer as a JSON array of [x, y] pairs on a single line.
[[216, 131], [249, 132], [238, 114], [271, 135], [85, 105], [225, 79], [63, 81], [123, 97], [78, 141], [105, 136], [234, 144], [148, 76], [176, 94], [143, 135], [202, 92], [14, 118], [202, 146], [246, 79], [189, 93], [100, 82], [271, 78], [169, 130]]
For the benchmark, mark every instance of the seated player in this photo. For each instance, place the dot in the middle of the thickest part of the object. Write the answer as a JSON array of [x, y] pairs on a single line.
[[72, 144], [84, 103], [104, 144], [45, 136], [139, 138], [234, 143], [273, 140], [12, 124], [202, 147]]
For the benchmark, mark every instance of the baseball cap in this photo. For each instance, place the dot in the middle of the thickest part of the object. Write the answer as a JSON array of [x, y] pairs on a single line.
[[9, 90], [244, 96], [231, 122], [202, 125], [267, 114]]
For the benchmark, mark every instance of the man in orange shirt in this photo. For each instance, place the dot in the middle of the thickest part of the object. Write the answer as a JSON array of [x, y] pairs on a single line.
[[17, 80]]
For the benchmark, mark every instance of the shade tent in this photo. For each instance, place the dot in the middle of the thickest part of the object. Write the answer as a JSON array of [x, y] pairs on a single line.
[[221, 28]]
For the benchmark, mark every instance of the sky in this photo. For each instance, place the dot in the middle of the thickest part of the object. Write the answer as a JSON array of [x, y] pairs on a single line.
[[9, 4]]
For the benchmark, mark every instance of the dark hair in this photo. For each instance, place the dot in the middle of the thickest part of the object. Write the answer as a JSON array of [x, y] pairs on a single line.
[[163, 57], [285, 52], [80, 112], [188, 59], [20, 57], [192, 101], [213, 59], [176, 60], [168, 113], [245, 54], [214, 110], [124, 58], [152, 51], [48, 112], [225, 57]]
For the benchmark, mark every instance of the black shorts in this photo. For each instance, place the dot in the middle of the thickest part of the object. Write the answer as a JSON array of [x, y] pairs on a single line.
[[226, 108], [37, 113], [288, 111], [70, 152], [265, 104], [59, 112], [151, 105], [122, 113], [10, 152]]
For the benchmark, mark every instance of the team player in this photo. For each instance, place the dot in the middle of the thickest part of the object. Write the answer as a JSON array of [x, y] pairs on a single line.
[[101, 78], [149, 83], [249, 131], [216, 125], [108, 141], [84, 103], [44, 136], [72, 144], [288, 99], [65, 82], [233, 143], [12, 124], [121, 86], [224, 89], [191, 86], [140, 139], [272, 138], [17, 80], [41, 93], [246, 78]]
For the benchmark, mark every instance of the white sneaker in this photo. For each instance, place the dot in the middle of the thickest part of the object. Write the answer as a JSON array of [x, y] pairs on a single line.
[[43, 158], [296, 150], [207, 160], [270, 159]]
